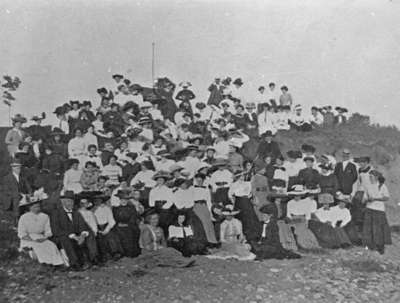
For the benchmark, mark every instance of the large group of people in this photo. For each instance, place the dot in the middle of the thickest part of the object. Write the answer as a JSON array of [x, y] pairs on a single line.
[[157, 175]]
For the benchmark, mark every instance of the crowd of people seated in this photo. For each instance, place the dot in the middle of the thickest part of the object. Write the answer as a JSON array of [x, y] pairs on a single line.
[[157, 175]]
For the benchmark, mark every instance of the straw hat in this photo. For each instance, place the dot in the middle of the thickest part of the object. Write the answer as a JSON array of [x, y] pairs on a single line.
[[229, 210], [162, 174], [325, 198], [297, 190], [38, 196]]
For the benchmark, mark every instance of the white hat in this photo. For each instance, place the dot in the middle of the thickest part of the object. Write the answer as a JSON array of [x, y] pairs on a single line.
[[185, 84], [229, 210], [297, 190]]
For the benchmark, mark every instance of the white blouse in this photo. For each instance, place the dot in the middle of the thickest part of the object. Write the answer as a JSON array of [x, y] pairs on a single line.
[[305, 207]]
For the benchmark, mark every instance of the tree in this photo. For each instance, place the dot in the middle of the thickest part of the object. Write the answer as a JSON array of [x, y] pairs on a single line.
[[10, 85]]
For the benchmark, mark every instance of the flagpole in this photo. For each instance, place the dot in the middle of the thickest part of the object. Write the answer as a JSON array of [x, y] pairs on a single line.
[[153, 46]]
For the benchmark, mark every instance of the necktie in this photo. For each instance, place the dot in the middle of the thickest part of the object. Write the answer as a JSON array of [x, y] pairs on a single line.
[[183, 231], [264, 232]]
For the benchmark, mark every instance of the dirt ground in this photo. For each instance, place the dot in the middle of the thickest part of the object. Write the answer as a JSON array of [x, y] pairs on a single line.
[[353, 275]]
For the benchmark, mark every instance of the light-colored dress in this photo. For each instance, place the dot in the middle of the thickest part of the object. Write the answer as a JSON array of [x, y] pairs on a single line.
[[72, 180], [233, 245], [37, 226]]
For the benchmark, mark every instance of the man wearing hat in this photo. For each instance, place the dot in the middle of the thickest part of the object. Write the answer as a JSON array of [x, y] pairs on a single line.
[[36, 130], [346, 173], [72, 233], [268, 147], [15, 135], [14, 184]]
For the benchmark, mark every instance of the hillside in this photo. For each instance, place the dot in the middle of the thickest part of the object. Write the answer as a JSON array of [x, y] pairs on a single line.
[[353, 275]]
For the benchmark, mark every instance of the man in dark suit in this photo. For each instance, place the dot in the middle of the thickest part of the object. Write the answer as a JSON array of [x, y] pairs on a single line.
[[72, 234], [268, 147], [14, 184], [346, 173]]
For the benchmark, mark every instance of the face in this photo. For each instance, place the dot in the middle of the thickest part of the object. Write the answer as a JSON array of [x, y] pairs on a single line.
[[113, 161], [18, 124], [108, 146], [363, 165], [75, 166], [160, 181], [268, 160], [265, 217], [35, 208], [48, 151], [78, 133], [345, 156], [229, 217], [92, 150], [181, 219], [153, 220], [184, 185], [248, 165], [136, 195], [57, 138], [268, 138], [309, 164], [342, 205], [123, 201], [67, 203], [210, 153], [279, 161]]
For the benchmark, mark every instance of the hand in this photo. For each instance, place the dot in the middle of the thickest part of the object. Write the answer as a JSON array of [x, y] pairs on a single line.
[[80, 240]]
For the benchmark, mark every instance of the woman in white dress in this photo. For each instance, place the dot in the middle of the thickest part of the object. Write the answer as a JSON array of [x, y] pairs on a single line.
[[34, 231], [72, 177]]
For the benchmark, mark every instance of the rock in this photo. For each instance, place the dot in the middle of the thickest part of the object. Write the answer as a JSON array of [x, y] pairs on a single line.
[[275, 270], [260, 289]]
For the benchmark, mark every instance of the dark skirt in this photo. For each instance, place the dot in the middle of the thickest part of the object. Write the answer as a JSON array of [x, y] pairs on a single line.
[[221, 196], [248, 217], [263, 250], [329, 236], [357, 209], [109, 243], [129, 238], [199, 234], [187, 246], [376, 231]]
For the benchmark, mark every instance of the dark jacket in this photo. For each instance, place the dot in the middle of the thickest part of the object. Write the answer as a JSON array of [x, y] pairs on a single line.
[[12, 189], [346, 178], [62, 226], [266, 148]]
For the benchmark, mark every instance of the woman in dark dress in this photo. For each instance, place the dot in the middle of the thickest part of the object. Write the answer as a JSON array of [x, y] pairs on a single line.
[[181, 236], [267, 245], [127, 224]]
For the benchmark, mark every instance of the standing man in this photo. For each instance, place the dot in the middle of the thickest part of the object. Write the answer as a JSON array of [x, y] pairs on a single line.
[[14, 184], [268, 147], [216, 90], [346, 173]]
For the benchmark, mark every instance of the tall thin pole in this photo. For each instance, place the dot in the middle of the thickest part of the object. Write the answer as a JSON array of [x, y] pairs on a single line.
[[153, 45]]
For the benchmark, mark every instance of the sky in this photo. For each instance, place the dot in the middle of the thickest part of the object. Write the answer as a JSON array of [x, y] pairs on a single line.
[[344, 53]]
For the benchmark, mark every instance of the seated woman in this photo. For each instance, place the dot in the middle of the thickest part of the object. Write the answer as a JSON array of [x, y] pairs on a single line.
[[233, 241], [298, 214], [268, 245], [34, 231], [127, 224], [154, 249], [327, 225], [181, 237]]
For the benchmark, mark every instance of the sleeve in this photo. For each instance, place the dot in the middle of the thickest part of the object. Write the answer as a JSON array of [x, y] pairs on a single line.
[[239, 226], [110, 220], [22, 228], [231, 191], [47, 228], [346, 217], [222, 232], [151, 196], [208, 199], [8, 140], [384, 191], [65, 180], [289, 210]]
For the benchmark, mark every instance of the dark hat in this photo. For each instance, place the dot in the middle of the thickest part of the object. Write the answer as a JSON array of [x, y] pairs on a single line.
[[102, 90], [238, 81], [178, 182], [16, 162], [37, 118], [192, 147], [18, 118], [268, 133], [149, 212], [87, 103], [200, 105], [293, 154], [229, 210], [364, 159], [200, 175], [72, 102], [132, 155], [127, 82], [308, 148], [210, 148], [269, 209], [164, 153], [68, 194], [117, 76], [308, 159], [129, 105], [135, 87], [261, 87], [326, 166], [60, 110], [72, 161], [162, 174], [124, 194]]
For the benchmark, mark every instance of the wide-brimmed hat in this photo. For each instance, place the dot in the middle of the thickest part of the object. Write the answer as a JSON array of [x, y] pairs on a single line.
[[325, 198], [269, 208], [326, 166], [124, 194], [175, 167], [162, 174], [145, 104], [185, 84], [200, 105], [18, 118], [220, 162], [60, 110], [39, 118], [68, 194], [72, 161], [340, 197], [297, 190], [250, 105], [15, 162], [268, 133], [57, 132], [229, 210], [238, 81], [38, 196], [308, 148], [179, 181], [117, 76]]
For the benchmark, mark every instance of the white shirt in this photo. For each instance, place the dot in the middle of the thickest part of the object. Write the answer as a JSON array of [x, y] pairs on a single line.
[[104, 215], [183, 198], [305, 207], [266, 122], [373, 191], [89, 218], [221, 176], [177, 231], [191, 165], [202, 193], [340, 214], [16, 176], [146, 177], [240, 189], [161, 193]]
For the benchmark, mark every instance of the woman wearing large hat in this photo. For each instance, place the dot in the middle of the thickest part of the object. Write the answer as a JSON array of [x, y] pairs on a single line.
[[34, 231], [299, 210], [127, 224], [15, 135], [233, 241]]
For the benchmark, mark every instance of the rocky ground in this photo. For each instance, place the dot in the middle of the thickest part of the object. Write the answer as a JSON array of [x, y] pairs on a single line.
[[353, 275]]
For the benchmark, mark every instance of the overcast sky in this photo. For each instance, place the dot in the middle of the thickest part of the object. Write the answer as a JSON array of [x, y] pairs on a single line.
[[327, 52]]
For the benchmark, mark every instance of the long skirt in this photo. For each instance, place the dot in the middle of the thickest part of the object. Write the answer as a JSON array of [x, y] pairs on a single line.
[[46, 252], [357, 209], [233, 250], [109, 243], [329, 236], [129, 238], [164, 257], [376, 231], [199, 233], [286, 236], [187, 246], [248, 218], [221, 196], [354, 233], [264, 250], [305, 239], [202, 212]]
